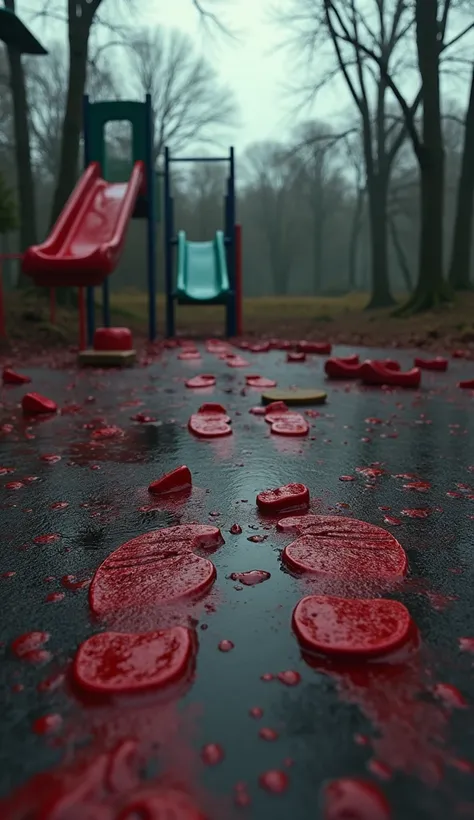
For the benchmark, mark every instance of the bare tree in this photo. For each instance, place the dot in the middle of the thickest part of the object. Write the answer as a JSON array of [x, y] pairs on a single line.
[[272, 179], [25, 179], [460, 263], [353, 26], [316, 144], [47, 88], [190, 105], [81, 15]]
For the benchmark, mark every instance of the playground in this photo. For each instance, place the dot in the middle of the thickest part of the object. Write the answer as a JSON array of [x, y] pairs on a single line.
[[237, 569]]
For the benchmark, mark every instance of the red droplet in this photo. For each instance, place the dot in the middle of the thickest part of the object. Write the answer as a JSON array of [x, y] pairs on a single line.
[[450, 696], [346, 478], [71, 582], [51, 683], [14, 485], [257, 539], [47, 724], [212, 754], [466, 644], [50, 458], [235, 529], [225, 645], [289, 677], [268, 734], [256, 712], [251, 577], [46, 539], [54, 597], [274, 781], [352, 798], [380, 769], [391, 520], [29, 647], [422, 512], [267, 676], [59, 505]]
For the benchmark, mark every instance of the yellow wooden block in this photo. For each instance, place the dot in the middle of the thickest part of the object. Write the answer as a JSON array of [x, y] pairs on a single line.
[[107, 358], [295, 397]]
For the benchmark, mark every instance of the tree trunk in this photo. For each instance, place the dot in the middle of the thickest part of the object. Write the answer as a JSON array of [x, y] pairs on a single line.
[[377, 190], [71, 134], [431, 289], [460, 265], [25, 178], [318, 249], [79, 30], [354, 238], [400, 253]]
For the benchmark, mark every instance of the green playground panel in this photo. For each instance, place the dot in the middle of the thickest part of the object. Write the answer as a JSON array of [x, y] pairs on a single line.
[[202, 271], [100, 114], [15, 34]]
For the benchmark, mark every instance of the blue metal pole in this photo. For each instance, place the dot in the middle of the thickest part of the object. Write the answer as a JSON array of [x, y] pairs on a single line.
[[168, 226], [231, 316], [105, 302], [151, 226], [90, 307]]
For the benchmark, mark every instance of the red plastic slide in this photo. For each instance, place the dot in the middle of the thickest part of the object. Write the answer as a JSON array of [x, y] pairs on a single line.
[[85, 244]]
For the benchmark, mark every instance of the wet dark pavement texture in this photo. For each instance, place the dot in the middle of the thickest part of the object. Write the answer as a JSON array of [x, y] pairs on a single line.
[[422, 756]]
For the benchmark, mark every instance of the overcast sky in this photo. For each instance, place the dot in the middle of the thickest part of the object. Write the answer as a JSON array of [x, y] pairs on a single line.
[[252, 65]]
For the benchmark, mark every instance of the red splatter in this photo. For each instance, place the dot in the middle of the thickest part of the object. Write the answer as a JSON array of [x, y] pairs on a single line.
[[225, 645], [235, 529], [274, 781], [54, 597], [29, 647], [212, 754], [47, 724], [49, 538], [357, 799], [256, 712], [268, 734], [449, 695], [289, 677]]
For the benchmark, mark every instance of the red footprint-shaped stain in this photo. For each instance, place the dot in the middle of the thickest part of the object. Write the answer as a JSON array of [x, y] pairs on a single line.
[[351, 626], [112, 663], [342, 548], [210, 421], [156, 568]]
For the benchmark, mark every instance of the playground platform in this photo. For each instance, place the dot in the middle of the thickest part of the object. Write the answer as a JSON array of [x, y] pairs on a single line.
[[257, 729]]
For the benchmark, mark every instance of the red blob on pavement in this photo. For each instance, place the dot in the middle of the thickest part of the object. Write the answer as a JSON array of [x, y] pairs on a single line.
[[274, 781], [33, 404], [9, 376], [210, 421], [295, 356], [275, 410], [289, 497], [355, 799], [155, 568], [439, 363], [340, 369], [189, 355], [118, 663], [323, 348], [351, 626], [205, 380], [30, 646], [376, 374], [251, 578], [236, 361], [467, 384], [260, 382], [343, 548], [290, 424], [173, 482], [113, 338]]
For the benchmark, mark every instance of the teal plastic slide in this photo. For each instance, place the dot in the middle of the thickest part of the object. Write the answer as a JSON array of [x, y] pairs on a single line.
[[202, 271]]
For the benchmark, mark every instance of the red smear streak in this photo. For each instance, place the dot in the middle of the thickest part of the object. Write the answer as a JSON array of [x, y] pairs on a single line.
[[47, 724]]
